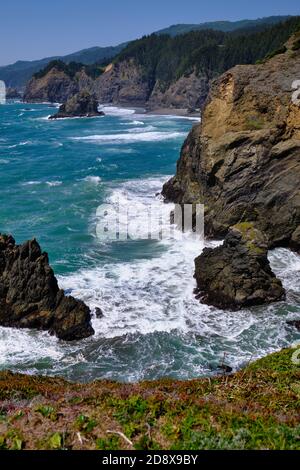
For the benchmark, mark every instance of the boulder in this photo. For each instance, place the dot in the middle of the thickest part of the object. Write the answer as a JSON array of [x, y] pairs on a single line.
[[83, 104], [237, 274], [294, 323], [30, 296]]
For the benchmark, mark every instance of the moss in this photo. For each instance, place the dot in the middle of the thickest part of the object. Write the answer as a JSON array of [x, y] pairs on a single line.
[[296, 45], [251, 237], [254, 123], [280, 50]]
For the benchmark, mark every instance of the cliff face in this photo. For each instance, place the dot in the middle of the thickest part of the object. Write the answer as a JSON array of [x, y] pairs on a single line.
[[56, 86], [122, 83], [125, 83], [188, 92], [243, 160]]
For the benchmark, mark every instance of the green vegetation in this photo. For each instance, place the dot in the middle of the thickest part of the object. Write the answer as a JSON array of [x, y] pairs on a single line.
[[296, 45], [71, 69], [256, 408], [208, 52], [225, 26]]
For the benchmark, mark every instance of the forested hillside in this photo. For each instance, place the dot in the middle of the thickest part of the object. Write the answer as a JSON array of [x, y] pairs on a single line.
[[166, 58]]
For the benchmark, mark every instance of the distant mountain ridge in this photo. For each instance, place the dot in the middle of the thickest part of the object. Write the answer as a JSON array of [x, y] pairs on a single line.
[[16, 75], [225, 26]]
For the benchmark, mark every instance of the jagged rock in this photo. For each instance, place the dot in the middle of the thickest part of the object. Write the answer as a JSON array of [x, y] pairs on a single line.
[[99, 313], [30, 296], [83, 104], [122, 83], [294, 323], [237, 274], [243, 161]]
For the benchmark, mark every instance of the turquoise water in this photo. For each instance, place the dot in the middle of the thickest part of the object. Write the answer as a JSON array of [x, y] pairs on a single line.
[[53, 176]]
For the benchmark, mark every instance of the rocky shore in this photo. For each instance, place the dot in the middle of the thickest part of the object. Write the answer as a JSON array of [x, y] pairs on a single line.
[[30, 296], [243, 161]]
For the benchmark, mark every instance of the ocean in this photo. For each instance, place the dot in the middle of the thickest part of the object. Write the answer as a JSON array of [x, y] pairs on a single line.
[[53, 177]]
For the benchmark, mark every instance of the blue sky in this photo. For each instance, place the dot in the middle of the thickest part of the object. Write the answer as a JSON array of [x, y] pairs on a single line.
[[33, 29]]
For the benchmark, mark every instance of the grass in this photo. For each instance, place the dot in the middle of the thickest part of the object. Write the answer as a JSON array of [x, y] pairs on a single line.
[[256, 408]]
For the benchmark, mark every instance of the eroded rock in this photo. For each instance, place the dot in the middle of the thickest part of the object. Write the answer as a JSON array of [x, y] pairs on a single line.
[[237, 274], [83, 104], [243, 161], [30, 296]]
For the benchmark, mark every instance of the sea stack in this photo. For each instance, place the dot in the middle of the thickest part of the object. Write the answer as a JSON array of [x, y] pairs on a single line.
[[30, 296]]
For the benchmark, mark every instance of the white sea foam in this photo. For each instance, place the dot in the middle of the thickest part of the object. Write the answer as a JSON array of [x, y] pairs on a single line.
[[31, 183], [20, 144], [131, 137], [92, 179], [53, 183], [144, 296], [116, 111]]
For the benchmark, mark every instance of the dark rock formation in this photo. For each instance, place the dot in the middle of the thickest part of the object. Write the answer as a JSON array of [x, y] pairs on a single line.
[[294, 323], [83, 104], [13, 94], [237, 274], [243, 161], [30, 297]]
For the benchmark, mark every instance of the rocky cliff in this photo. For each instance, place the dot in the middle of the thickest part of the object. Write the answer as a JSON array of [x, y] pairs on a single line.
[[243, 160], [56, 86], [121, 83], [30, 296]]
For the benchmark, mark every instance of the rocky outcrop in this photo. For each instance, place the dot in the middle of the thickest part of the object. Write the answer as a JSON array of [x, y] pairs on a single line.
[[56, 86], [294, 323], [243, 161], [83, 104], [188, 92], [13, 94], [122, 83], [125, 83], [237, 274], [30, 296]]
